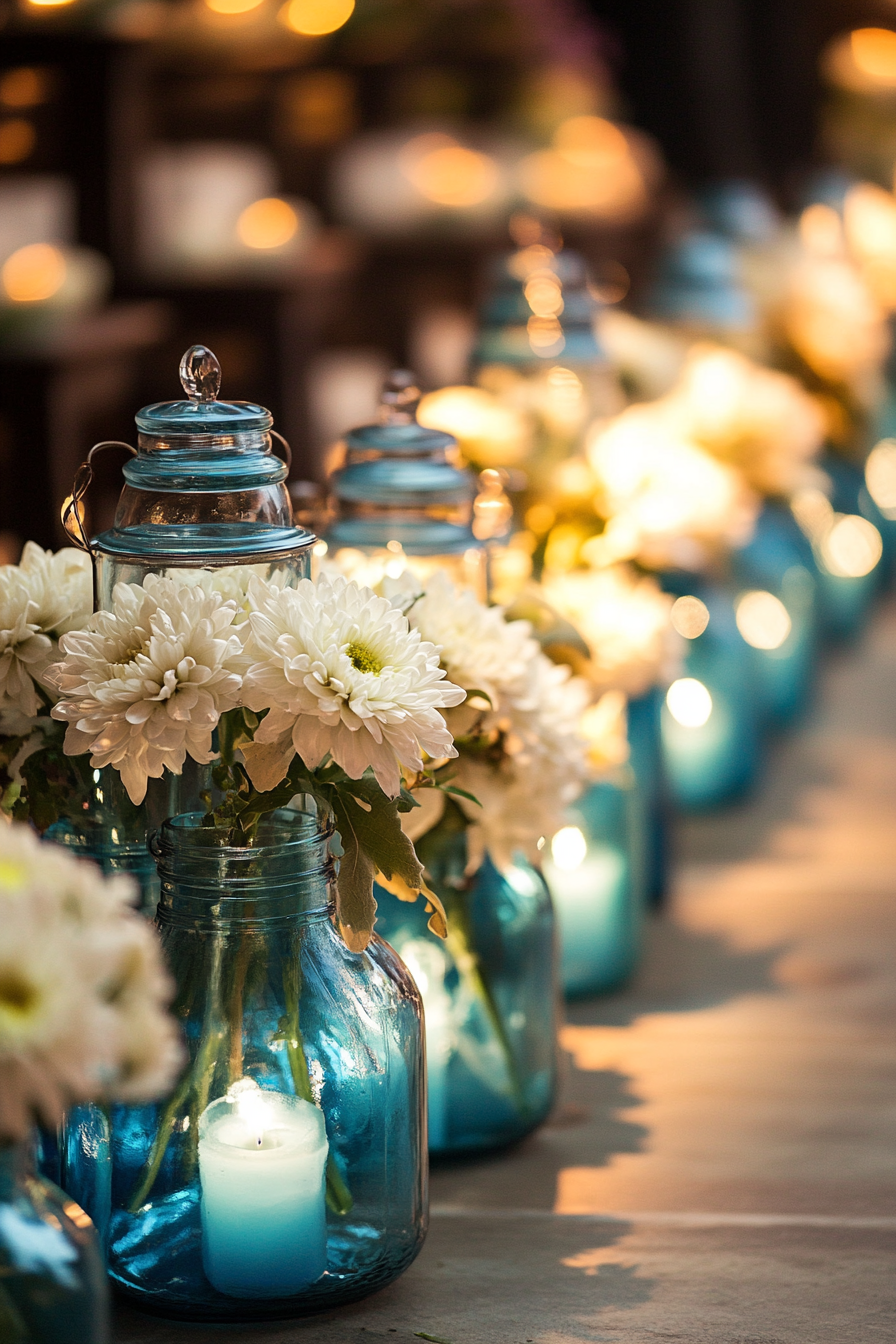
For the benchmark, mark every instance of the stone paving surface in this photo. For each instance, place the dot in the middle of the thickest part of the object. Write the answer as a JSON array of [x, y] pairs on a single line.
[[721, 1166]]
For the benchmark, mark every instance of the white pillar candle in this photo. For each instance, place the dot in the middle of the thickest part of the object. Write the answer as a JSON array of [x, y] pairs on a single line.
[[262, 1161]]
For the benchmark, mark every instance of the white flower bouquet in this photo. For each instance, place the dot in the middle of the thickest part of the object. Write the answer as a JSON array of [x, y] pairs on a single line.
[[322, 690], [83, 992]]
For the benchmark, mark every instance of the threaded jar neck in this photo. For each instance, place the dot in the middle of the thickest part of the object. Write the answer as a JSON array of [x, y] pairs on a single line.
[[285, 878]]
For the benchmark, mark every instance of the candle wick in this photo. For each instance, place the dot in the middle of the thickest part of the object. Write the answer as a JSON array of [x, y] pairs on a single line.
[[259, 1140]]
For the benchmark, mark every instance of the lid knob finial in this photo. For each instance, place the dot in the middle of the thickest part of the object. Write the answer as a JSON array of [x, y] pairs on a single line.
[[200, 374], [400, 399]]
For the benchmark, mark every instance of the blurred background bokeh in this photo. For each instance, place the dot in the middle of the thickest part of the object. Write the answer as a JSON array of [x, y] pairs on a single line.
[[314, 188]]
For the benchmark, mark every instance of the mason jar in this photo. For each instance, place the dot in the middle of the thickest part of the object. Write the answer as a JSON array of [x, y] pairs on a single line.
[[286, 1173], [489, 992]]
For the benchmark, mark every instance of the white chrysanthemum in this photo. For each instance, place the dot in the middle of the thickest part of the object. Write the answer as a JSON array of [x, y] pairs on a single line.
[[144, 685], [40, 598], [625, 621], [230, 581], [78, 969], [480, 650], [761, 421], [343, 675], [675, 503], [522, 755]]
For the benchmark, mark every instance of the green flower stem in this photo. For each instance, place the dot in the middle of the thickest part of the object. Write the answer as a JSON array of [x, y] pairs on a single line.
[[339, 1197], [470, 966]]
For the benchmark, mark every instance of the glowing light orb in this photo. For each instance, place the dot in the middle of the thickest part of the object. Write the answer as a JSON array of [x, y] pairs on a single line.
[[874, 52], [852, 548], [446, 173], [267, 224], [689, 702], [880, 476], [17, 139], [689, 616], [232, 6], [763, 620], [315, 18], [33, 273], [568, 848]]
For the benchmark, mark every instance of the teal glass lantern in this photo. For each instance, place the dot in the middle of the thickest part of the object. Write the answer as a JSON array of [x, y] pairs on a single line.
[[711, 719], [778, 560], [594, 866], [538, 350], [203, 490], [401, 498], [645, 743], [286, 1173], [846, 599], [489, 993]]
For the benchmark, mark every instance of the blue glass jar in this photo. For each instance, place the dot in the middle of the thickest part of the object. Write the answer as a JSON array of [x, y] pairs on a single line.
[[778, 559], [52, 1283], [645, 743], [711, 720], [286, 1174], [489, 991], [400, 497], [846, 600], [594, 867]]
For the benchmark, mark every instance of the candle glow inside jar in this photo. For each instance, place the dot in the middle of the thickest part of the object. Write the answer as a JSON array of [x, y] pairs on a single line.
[[262, 1161]]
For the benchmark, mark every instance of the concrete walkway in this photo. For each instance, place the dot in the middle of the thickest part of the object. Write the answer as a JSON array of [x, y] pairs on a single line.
[[722, 1163]]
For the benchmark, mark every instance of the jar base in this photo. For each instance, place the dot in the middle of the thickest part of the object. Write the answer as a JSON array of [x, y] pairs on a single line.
[[235, 1310]]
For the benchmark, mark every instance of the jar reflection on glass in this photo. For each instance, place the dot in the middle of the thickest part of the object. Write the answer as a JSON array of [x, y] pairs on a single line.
[[276, 1011], [52, 1284], [489, 993]]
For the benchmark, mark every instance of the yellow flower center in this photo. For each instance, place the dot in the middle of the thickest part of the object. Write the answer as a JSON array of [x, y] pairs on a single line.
[[12, 874], [364, 659], [16, 994]]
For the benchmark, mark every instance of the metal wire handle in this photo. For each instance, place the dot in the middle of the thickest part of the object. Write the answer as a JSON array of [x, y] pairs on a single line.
[[288, 450], [71, 513]]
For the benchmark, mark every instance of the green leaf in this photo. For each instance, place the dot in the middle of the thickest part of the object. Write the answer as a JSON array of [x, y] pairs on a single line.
[[461, 793], [356, 907]]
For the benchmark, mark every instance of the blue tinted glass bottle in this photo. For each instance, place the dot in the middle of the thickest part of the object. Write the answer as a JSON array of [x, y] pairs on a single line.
[[489, 991], [712, 741], [778, 559], [594, 867], [287, 1171], [52, 1285]]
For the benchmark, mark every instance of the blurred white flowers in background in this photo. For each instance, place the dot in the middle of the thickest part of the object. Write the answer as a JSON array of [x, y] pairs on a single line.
[[41, 598], [83, 991]]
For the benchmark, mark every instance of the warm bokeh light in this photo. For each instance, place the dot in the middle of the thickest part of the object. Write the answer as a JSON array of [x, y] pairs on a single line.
[[232, 6], [689, 702], [545, 336], [763, 620], [874, 52], [591, 142], [33, 273], [544, 295], [553, 181], [489, 433], [568, 848], [689, 617], [821, 230], [813, 511], [25, 86], [447, 173], [835, 323], [869, 219], [880, 476], [852, 548], [315, 18], [268, 223], [17, 140]]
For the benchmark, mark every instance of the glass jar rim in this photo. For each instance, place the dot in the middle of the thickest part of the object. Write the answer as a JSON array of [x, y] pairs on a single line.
[[180, 830]]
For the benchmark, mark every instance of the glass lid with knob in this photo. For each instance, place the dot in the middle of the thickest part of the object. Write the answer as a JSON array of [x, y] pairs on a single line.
[[402, 482], [203, 489]]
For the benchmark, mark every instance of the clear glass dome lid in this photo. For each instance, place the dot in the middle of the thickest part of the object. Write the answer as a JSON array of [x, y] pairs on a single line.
[[202, 489], [402, 482]]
